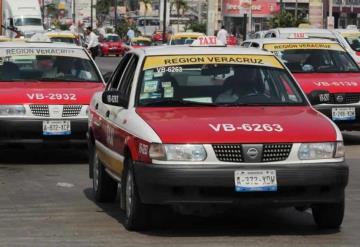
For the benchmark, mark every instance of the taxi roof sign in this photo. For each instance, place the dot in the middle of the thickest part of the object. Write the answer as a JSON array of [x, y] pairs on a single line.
[[298, 36], [207, 41]]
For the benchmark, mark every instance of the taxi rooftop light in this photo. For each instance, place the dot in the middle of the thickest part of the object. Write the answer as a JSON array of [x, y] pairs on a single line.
[[298, 36], [207, 41]]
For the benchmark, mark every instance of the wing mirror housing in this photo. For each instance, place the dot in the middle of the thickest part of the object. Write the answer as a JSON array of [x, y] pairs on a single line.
[[319, 97], [114, 98]]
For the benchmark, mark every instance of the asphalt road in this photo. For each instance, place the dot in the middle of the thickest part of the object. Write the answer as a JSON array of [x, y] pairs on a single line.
[[46, 200]]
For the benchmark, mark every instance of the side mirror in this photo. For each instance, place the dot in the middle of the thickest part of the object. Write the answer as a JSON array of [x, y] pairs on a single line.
[[107, 76], [114, 98], [319, 97]]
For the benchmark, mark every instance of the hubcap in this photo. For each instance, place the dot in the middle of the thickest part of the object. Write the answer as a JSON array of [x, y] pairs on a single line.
[[96, 172], [129, 193]]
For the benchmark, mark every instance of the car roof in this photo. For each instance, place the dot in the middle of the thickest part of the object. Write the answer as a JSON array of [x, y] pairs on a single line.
[[341, 31], [290, 41], [25, 44], [290, 30], [179, 50], [187, 34]]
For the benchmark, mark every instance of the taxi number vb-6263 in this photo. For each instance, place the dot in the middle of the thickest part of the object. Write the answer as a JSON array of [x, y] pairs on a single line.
[[247, 127], [255, 180]]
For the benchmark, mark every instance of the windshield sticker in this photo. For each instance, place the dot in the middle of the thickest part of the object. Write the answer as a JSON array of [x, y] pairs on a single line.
[[247, 127], [168, 92], [150, 86], [175, 61], [148, 77], [64, 52], [157, 74], [166, 84], [288, 46]]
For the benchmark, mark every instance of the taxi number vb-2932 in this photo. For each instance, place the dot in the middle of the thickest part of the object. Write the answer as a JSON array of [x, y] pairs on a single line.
[[247, 127], [52, 96]]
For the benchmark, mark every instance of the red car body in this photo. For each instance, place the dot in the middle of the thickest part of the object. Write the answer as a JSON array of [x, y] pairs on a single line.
[[112, 45]]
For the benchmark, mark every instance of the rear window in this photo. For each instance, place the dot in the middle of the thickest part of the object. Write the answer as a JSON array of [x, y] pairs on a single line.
[[46, 64], [216, 80]]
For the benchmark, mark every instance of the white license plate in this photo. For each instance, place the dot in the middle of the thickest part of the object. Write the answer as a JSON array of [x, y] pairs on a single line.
[[344, 113], [56, 127], [255, 180]]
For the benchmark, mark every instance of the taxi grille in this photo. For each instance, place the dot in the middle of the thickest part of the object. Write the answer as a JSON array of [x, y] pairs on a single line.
[[228, 152], [349, 98], [276, 152], [40, 110], [71, 110], [270, 152]]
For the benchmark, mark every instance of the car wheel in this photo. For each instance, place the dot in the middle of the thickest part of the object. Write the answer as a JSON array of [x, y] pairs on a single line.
[[329, 215], [137, 214], [104, 187]]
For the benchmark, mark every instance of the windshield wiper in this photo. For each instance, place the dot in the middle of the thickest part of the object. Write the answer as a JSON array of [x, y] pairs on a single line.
[[176, 102]]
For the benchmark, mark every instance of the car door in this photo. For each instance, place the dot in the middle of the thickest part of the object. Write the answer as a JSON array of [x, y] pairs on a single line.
[[115, 130], [99, 118]]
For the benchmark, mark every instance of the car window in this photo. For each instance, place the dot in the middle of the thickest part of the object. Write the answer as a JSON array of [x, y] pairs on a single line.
[[116, 76], [269, 35], [246, 44], [255, 45], [47, 64], [216, 83], [128, 76]]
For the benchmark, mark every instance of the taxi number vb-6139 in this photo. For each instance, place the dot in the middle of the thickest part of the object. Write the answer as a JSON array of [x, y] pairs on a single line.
[[247, 127], [255, 180]]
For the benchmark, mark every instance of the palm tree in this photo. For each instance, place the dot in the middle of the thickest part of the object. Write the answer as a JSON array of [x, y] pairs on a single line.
[[181, 6], [146, 3]]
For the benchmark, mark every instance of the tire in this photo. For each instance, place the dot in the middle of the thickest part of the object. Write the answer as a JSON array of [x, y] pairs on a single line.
[[137, 214], [329, 215], [104, 187]]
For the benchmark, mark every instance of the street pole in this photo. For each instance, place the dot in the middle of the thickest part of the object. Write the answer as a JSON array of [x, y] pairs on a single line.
[[73, 13], [43, 12], [91, 14], [115, 14], [296, 10], [164, 21], [250, 17]]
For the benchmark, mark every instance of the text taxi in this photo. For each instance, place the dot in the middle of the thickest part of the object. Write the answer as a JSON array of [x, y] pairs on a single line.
[[327, 74], [45, 90], [204, 126]]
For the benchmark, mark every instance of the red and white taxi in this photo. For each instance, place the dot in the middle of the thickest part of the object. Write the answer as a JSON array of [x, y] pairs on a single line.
[[212, 125], [326, 72], [45, 90]]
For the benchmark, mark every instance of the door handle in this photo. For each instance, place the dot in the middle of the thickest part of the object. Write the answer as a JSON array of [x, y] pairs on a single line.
[[107, 114], [97, 106]]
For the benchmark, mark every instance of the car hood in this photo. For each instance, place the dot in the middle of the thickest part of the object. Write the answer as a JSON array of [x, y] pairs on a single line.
[[332, 82], [230, 124], [48, 93]]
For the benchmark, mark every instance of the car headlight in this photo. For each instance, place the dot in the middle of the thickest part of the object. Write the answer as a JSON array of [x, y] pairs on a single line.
[[12, 110], [326, 150], [177, 152]]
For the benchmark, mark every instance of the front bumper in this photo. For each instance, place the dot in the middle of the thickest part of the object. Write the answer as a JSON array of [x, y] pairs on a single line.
[[30, 131], [345, 124], [297, 184]]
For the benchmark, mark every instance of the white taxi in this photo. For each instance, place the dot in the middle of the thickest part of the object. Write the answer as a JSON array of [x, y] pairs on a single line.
[[326, 72], [208, 126]]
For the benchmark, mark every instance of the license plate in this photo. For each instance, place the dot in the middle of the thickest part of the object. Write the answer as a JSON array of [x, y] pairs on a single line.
[[343, 113], [59, 127], [255, 180]]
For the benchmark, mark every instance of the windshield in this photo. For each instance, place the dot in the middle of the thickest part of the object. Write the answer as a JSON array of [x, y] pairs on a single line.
[[28, 64], [64, 40], [217, 84], [317, 61], [182, 41], [112, 38], [354, 41], [141, 43], [28, 22]]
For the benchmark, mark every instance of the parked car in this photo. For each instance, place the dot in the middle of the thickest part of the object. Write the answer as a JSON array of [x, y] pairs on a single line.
[[112, 45]]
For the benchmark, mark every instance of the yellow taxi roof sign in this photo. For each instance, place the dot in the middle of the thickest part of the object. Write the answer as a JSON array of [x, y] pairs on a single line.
[[298, 36], [205, 41]]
